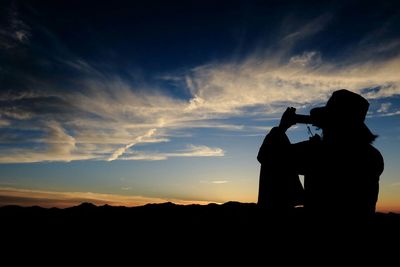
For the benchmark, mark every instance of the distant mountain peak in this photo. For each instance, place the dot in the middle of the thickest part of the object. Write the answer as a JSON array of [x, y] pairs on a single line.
[[86, 205]]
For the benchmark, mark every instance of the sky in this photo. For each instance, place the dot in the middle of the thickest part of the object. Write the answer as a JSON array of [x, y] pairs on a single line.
[[135, 102]]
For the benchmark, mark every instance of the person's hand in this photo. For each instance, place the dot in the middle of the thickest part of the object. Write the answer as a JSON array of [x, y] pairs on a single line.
[[288, 119]]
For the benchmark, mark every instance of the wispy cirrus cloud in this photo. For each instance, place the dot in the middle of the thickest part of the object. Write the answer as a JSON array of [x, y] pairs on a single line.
[[4, 123], [306, 78], [215, 182], [111, 117], [54, 145], [102, 116], [103, 120], [219, 182], [190, 151], [139, 139], [384, 108], [388, 114], [14, 31]]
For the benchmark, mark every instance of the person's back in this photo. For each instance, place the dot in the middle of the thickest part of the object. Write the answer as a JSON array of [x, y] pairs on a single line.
[[343, 179]]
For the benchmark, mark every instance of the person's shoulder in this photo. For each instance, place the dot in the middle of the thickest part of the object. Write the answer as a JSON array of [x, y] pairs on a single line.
[[276, 130]]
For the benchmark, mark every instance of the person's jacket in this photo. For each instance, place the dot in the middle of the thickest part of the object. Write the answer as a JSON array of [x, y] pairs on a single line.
[[339, 178]]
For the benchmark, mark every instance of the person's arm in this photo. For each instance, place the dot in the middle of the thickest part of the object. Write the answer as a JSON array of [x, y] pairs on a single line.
[[278, 153], [279, 185], [276, 144]]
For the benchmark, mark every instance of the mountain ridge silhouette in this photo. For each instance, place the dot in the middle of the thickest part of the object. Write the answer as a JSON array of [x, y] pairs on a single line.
[[231, 212], [167, 204], [235, 227]]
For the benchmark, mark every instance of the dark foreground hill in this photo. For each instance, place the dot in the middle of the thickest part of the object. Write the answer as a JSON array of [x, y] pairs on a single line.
[[227, 217], [233, 226]]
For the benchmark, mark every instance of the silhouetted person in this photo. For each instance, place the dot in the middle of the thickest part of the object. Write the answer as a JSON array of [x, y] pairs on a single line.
[[341, 170]]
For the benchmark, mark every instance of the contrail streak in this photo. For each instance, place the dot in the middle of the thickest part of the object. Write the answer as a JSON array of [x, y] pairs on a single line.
[[117, 153]]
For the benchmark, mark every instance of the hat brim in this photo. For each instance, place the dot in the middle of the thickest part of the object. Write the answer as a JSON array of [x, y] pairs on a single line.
[[321, 117]]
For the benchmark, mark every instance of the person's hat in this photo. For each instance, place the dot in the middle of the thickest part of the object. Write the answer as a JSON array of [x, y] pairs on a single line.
[[343, 107]]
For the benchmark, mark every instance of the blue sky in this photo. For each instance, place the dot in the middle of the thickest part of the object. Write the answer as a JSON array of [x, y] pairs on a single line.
[[151, 101]]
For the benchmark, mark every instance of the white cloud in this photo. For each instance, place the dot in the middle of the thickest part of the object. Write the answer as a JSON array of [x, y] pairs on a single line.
[[138, 140], [190, 151], [146, 156], [106, 116], [198, 151], [126, 188], [219, 182], [384, 108], [57, 145], [14, 30], [388, 114], [21, 35], [211, 124], [228, 88], [60, 143], [306, 30], [4, 123], [112, 117], [307, 59], [14, 113], [214, 182]]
